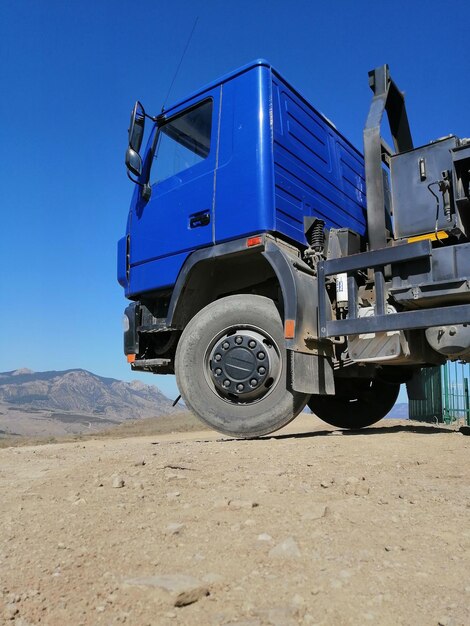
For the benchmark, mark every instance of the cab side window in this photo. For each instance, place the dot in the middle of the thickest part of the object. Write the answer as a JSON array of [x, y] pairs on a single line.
[[182, 142]]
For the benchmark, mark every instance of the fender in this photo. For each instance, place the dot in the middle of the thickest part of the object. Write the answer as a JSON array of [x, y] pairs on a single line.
[[309, 357]]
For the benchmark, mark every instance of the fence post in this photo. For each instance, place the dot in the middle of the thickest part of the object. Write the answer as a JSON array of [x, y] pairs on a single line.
[[467, 401]]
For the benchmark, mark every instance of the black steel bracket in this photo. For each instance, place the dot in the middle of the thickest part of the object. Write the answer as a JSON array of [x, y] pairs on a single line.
[[387, 97], [381, 321]]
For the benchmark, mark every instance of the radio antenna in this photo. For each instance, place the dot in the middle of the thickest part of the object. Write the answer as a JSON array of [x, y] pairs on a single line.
[[181, 61]]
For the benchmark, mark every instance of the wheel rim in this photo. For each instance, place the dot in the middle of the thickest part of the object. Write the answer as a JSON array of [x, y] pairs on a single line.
[[242, 365]]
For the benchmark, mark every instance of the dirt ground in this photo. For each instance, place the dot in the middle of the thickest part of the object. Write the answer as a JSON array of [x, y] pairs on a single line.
[[307, 527]]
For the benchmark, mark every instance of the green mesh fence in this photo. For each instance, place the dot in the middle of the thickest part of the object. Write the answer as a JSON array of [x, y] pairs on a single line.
[[446, 395]]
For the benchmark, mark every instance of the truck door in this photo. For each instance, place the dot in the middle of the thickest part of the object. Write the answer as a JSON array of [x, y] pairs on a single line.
[[178, 217]]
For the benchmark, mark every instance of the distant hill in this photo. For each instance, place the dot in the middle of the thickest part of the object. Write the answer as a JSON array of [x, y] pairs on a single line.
[[72, 401], [399, 411]]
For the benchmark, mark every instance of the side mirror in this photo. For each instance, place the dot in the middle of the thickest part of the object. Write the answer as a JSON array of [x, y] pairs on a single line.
[[133, 162], [136, 128], [133, 158]]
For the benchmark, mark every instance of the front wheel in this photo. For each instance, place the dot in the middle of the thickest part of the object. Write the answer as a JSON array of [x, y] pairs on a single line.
[[357, 403], [231, 368]]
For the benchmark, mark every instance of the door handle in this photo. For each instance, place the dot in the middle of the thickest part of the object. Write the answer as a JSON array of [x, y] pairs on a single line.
[[199, 219]]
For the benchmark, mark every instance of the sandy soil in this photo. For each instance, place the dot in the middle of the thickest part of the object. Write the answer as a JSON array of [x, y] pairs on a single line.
[[307, 527]]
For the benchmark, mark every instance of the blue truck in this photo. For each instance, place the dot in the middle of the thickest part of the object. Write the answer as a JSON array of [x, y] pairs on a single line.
[[271, 265]]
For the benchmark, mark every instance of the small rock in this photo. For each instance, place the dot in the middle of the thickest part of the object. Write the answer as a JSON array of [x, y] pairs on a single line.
[[315, 511], [332, 514], [242, 504], [61, 546], [357, 487], [79, 501], [10, 611], [298, 600], [138, 463], [324, 484], [362, 490], [173, 495], [282, 616], [445, 621], [264, 537], [287, 549], [250, 622], [174, 528], [117, 482], [250, 522], [184, 589], [19, 621], [171, 476], [221, 504]]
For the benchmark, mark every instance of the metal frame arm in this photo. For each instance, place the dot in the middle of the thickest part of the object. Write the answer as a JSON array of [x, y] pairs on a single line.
[[387, 97]]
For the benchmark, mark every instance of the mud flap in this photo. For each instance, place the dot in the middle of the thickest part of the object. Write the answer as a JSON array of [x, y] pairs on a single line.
[[311, 373]]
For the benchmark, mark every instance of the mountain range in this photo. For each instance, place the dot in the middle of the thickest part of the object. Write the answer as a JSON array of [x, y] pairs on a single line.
[[399, 411], [73, 401], [45, 404]]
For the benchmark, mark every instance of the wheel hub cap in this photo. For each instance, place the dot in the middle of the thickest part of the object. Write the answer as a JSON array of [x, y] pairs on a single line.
[[241, 365]]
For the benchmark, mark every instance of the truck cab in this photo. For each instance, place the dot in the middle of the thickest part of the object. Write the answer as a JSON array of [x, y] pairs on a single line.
[[245, 198]]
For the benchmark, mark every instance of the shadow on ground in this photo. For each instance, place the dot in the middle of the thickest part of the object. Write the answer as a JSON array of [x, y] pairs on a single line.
[[376, 430], [416, 429]]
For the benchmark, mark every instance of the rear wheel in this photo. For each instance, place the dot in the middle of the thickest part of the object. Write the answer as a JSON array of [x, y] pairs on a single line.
[[357, 403], [231, 367]]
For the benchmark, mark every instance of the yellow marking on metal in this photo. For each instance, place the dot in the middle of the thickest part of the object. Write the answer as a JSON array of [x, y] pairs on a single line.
[[441, 234]]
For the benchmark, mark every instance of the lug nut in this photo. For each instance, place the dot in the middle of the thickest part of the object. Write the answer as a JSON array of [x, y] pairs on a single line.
[[252, 343], [253, 382], [226, 383], [261, 370], [217, 357], [238, 340], [218, 371], [226, 345], [240, 387], [261, 355]]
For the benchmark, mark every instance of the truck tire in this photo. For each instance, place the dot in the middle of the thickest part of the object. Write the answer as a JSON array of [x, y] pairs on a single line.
[[357, 403], [231, 368]]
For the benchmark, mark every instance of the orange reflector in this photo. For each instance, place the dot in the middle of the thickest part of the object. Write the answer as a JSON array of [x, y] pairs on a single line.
[[289, 329], [130, 358], [254, 241]]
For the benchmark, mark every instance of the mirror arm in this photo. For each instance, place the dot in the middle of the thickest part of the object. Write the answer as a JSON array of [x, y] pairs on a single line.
[[146, 189]]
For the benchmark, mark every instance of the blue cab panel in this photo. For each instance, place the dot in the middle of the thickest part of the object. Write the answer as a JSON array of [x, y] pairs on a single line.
[[244, 155]]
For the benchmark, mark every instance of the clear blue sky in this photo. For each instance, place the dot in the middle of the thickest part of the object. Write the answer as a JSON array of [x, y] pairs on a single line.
[[70, 74]]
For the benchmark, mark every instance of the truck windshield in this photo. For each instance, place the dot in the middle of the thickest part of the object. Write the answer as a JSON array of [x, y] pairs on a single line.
[[183, 142]]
